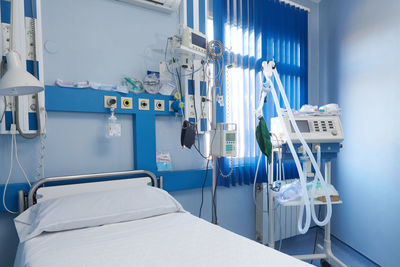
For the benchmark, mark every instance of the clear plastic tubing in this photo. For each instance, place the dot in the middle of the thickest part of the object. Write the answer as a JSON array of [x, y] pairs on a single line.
[[305, 202], [319, 176]]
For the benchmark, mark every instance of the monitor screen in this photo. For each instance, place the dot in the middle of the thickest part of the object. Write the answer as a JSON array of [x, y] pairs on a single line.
[[230, 137], [199, 41], [303, 126]]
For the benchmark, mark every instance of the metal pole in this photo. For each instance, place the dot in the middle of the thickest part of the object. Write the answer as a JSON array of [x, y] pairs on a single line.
[[214, 186], [21, 201], [327, 239], [214, 159], [271, 217]]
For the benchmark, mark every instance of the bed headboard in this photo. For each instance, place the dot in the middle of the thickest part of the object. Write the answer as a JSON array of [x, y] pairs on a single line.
[[90, 183]]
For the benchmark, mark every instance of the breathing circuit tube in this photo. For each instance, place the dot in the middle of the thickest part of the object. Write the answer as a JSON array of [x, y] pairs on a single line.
[[305, 201]]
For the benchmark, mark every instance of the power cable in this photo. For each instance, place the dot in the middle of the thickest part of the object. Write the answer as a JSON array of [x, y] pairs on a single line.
[[205, 179], [9, 176], [230, 171]]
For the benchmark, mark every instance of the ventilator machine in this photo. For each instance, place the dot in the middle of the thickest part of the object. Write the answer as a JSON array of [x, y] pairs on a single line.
[[307, 139]]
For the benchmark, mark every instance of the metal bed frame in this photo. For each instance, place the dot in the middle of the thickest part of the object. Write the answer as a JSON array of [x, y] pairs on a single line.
[[31, 198]]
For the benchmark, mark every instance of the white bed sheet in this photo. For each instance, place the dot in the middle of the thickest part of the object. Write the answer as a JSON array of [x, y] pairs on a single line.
[[176, 239]]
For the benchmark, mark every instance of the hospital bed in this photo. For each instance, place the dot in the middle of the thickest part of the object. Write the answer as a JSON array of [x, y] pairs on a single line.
[[121, 221]]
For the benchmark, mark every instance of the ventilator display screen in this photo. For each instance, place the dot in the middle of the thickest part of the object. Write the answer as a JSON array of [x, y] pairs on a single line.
[[199, 41], [230, 137], [303, 126]]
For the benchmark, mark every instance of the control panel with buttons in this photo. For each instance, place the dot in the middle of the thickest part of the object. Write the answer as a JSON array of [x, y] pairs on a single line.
[[315, 129]]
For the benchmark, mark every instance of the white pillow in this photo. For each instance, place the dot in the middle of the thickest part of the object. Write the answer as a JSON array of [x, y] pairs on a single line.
[[94, 209]]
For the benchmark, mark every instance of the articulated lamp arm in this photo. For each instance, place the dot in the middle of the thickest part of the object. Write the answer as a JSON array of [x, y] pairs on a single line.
[[268, 67]]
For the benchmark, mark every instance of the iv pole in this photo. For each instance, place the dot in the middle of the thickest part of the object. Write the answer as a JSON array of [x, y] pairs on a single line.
[[214, 159]]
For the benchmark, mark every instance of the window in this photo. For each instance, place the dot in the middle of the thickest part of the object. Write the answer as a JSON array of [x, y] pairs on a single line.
[[254, 31]]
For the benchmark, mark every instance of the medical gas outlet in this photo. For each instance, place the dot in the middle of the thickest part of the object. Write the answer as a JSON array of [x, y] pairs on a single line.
[[110, 101], [144, 104], [159, 105], [126, 103]]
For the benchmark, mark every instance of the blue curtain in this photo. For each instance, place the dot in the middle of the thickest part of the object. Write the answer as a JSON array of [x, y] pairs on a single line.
[[255, 31]]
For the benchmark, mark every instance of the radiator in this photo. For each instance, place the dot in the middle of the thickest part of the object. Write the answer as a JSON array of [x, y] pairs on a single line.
[[285, 217]]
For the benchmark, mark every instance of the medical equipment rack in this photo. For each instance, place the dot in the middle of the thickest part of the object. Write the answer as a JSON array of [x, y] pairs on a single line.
[[326, 249]]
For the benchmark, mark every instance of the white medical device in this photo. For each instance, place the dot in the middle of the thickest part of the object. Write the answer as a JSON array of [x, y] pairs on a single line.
[[307, 205], [224, 141], [167, 6], [193, 41], [315, 129], [304, 130]]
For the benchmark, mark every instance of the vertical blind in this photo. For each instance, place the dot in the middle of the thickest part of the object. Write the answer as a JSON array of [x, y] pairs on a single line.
[[254, 31]]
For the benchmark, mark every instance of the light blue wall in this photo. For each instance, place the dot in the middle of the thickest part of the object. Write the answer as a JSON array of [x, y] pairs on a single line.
[[168, 139], [235, 208], [360, 69], [8, 240]]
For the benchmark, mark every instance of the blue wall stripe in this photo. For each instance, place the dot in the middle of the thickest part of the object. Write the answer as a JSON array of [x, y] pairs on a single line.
[[189, 13], [89, 100], [8, 120], [144, 141], [28, 10], [183, 180], [5, 11], [190, 85], [32, 121], [202, 16], [29, 67], [203, 88]]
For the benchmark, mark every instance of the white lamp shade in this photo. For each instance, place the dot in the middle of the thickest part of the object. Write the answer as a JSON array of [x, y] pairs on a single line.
[[16, 80]]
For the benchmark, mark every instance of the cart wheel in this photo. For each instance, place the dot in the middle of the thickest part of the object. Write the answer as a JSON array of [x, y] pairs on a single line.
[[324, 263]]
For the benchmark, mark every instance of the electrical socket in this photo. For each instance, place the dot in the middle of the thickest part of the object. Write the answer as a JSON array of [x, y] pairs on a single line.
[[170, 106], [143, 104], [6, 31], [110, 101], [126, 103], [220, 100], [32, 103], [159, 105]]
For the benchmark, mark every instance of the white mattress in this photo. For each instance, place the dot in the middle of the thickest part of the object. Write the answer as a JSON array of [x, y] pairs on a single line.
[[175, 239]]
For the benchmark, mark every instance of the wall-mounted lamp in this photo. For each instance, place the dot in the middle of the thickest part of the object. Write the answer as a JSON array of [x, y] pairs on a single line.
[[17, 80]]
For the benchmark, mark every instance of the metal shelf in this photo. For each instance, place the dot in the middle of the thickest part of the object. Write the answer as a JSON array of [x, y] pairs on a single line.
[[298, 202]]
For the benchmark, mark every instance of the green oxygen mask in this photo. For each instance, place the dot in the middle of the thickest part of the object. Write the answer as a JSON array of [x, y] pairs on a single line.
[[264, 138]]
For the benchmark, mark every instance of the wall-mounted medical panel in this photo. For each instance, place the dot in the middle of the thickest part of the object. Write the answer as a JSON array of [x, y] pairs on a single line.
[[90, 100], [196, 96]]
